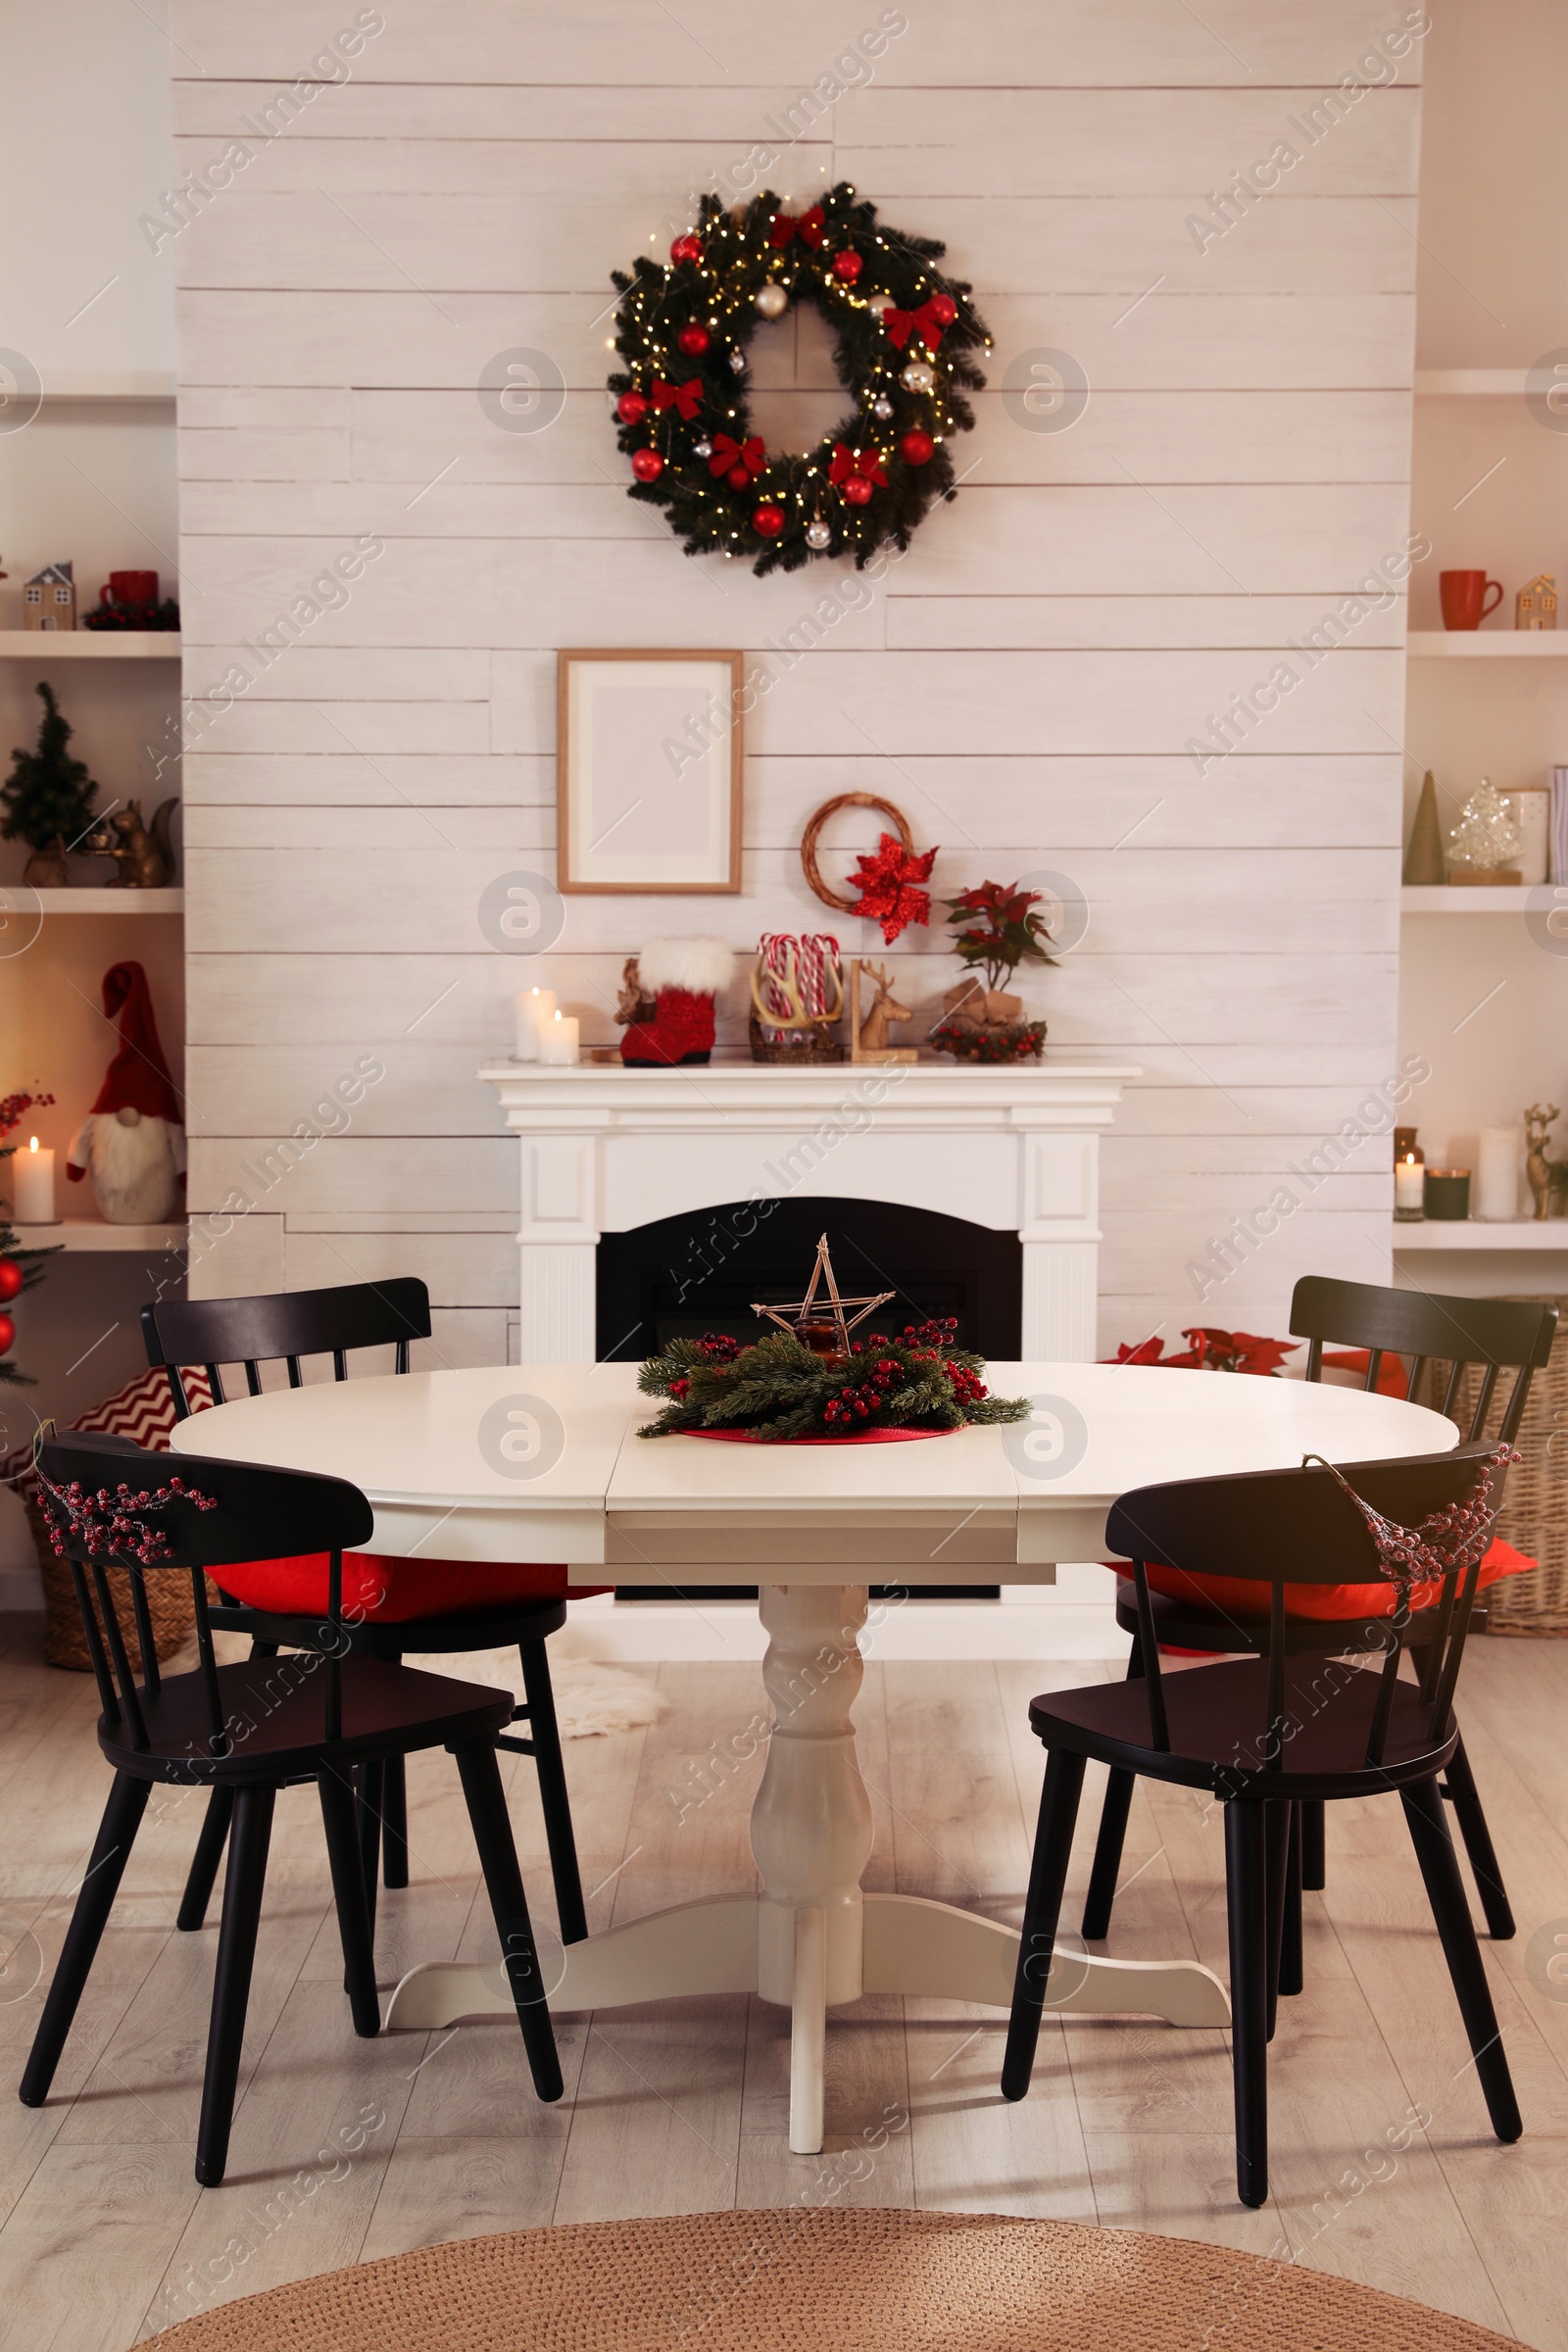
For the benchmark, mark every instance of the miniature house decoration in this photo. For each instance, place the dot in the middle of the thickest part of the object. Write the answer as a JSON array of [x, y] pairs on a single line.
[[1536, 605], [49, 599]]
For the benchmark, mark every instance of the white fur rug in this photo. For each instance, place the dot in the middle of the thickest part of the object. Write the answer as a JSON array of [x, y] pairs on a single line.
[[591, 1699]]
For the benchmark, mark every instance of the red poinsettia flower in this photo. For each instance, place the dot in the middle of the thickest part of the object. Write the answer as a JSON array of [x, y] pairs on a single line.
[[886, 884], [1238, 1351]]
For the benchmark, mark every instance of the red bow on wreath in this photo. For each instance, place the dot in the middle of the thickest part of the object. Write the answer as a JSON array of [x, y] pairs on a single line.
[[848, 462], [810, 226], [686, 397], [886, 884], [924, 322], [727, 454]]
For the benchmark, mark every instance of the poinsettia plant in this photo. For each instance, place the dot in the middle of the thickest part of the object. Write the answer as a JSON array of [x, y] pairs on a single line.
[[997, 929], [779, 1387], [1211, 1351]]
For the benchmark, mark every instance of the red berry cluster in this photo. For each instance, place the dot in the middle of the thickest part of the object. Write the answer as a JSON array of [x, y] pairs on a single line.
[[680, 1390], [968, 1387], [937, 1332], [716, 1348], [861, 1403]]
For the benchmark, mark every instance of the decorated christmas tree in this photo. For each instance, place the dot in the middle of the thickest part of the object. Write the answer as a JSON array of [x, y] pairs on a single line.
[[20, 1269], [1486, 839], [49, 795]]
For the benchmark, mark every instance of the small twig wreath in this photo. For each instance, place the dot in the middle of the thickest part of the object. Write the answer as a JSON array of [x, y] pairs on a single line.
[[904, 333], [814, 832]]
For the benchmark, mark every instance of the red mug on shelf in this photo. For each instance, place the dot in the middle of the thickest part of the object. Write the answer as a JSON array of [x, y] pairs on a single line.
[[137, 591], [1464, 597]]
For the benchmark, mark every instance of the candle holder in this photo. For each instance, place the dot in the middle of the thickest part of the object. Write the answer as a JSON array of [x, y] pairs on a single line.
[[1448, 1195], [1409, 1178]]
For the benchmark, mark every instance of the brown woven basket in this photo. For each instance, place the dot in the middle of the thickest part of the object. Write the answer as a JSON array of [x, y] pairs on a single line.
[[811, 1050], [1535, 1517], [171, 1605]]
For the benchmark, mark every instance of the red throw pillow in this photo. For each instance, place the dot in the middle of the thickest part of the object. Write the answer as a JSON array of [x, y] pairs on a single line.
[[1329, 1603], [392, 1590]]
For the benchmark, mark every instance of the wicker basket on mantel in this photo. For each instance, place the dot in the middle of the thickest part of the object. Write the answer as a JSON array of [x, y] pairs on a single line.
[[1535, 1517]]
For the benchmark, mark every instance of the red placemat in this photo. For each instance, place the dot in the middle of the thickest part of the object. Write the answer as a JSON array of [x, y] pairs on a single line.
[[856, 1437]]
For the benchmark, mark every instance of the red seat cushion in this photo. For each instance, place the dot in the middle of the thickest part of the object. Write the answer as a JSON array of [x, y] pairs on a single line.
[[392, 1591], [1324, 1602]]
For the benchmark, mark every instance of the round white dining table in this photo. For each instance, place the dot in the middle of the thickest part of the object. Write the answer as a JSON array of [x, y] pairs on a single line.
[[544, 1462]]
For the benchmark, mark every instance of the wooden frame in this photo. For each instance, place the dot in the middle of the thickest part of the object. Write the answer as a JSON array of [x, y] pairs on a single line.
[[685, 770]]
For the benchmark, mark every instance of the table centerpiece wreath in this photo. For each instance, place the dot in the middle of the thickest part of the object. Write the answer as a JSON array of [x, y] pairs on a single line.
[[808, 1380], [903, 338]]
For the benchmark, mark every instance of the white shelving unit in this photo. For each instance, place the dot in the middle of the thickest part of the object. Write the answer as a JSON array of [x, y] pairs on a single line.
[[89, 645], [1470, 383], [107, 900], [1469, 1233], [1447, 897], [1486, 645], [111, 384], [92, 1234]]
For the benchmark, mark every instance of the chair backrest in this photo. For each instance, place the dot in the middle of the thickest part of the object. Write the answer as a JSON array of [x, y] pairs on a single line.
[[1300, 1527], [281, 1326], [109, 1503], [1500, 1333]]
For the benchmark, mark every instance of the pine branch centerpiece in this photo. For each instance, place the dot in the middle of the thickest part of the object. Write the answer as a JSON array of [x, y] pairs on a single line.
[[809, 1378]]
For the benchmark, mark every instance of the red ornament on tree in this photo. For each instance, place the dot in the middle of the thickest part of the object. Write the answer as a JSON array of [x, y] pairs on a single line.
[[943, 310], [768, 520], [857, 490], [886, 884], [631, 408], [918, 447], [738, 478], [848, 267], [693, 340], [647, 464], [686, 249], [11, 1278], [8, 1335]]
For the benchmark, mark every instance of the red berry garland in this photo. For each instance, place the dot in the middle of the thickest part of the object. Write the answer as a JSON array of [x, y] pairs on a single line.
[[904, 338]]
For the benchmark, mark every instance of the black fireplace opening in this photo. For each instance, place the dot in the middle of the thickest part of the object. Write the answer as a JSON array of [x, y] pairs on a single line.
[[679, 1277]]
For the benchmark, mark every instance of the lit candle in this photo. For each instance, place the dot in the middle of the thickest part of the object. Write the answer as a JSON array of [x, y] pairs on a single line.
[[33, 1185], [536, 1007], [1410, 1187], [558, 1041], [1498, 1189]]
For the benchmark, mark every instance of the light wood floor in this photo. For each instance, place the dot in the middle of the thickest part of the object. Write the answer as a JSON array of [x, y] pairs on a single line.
[[346, 2149]]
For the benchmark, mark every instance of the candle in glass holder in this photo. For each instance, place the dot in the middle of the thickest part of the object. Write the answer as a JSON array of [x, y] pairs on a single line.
[[33, 1185], [1497, 1187], [536, 1007], [558, 1041], [1410, 1187], [1448, 1194]]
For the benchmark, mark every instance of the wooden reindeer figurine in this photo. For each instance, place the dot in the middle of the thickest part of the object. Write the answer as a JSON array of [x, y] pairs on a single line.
[[868, 1032], [1545, 1175]]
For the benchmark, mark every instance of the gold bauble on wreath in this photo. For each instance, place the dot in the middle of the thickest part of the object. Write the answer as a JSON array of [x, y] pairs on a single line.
[[808, 841]]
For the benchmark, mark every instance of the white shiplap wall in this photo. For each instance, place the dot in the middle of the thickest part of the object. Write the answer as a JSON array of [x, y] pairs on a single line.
[[1023, 683]]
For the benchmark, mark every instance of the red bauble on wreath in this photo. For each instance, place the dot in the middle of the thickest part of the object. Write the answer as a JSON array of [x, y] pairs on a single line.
[[8, 1335], [12, 1278], [905, 341]]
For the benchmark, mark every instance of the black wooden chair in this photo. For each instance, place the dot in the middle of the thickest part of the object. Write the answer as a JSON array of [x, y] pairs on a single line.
[[1500, 1334], [1266, 1735], [252, 1730], [285, 1326]]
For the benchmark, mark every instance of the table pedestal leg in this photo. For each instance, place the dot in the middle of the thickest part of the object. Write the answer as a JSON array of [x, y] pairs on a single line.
[[812, 1938]]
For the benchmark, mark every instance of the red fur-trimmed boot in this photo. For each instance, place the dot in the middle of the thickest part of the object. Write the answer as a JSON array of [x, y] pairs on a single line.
[[683, 976]]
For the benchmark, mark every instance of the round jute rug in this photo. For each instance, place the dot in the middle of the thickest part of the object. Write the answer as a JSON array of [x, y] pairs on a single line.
[[862, 2280]]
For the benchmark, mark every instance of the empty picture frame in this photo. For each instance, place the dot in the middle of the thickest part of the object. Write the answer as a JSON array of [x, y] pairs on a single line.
[[647, 780]]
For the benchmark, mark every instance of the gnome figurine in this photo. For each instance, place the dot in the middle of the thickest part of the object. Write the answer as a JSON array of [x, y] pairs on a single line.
[[683, 976], [132, 1141]]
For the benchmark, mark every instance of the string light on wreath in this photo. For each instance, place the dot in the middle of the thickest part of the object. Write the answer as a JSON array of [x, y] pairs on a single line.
[[905, 340]]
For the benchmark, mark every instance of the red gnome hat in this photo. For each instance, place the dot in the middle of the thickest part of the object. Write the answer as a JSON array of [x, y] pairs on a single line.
[[137, 1078]]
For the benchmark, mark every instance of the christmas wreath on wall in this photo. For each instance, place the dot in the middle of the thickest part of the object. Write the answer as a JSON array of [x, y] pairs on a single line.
[[903, 338]]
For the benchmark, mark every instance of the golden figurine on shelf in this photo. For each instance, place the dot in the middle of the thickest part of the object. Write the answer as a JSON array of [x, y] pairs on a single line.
[[1547, 1177], [868, 1028], [823, 1327]]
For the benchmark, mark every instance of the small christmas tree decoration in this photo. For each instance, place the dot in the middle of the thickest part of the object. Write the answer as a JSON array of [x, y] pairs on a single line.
[[1483, 844], [48, 798], [1424, 861]]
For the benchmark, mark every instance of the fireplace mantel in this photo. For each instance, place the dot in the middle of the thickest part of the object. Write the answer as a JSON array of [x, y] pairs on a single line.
[[605, 1149]]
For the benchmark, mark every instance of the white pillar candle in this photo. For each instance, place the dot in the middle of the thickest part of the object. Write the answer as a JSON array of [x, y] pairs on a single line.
[[33, 1185], [558, 1041], [1498, 1175], [536, 1007], [1409, 1184]]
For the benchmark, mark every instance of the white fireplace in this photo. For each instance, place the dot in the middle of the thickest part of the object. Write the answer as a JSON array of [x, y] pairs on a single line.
[[605, 1149]]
